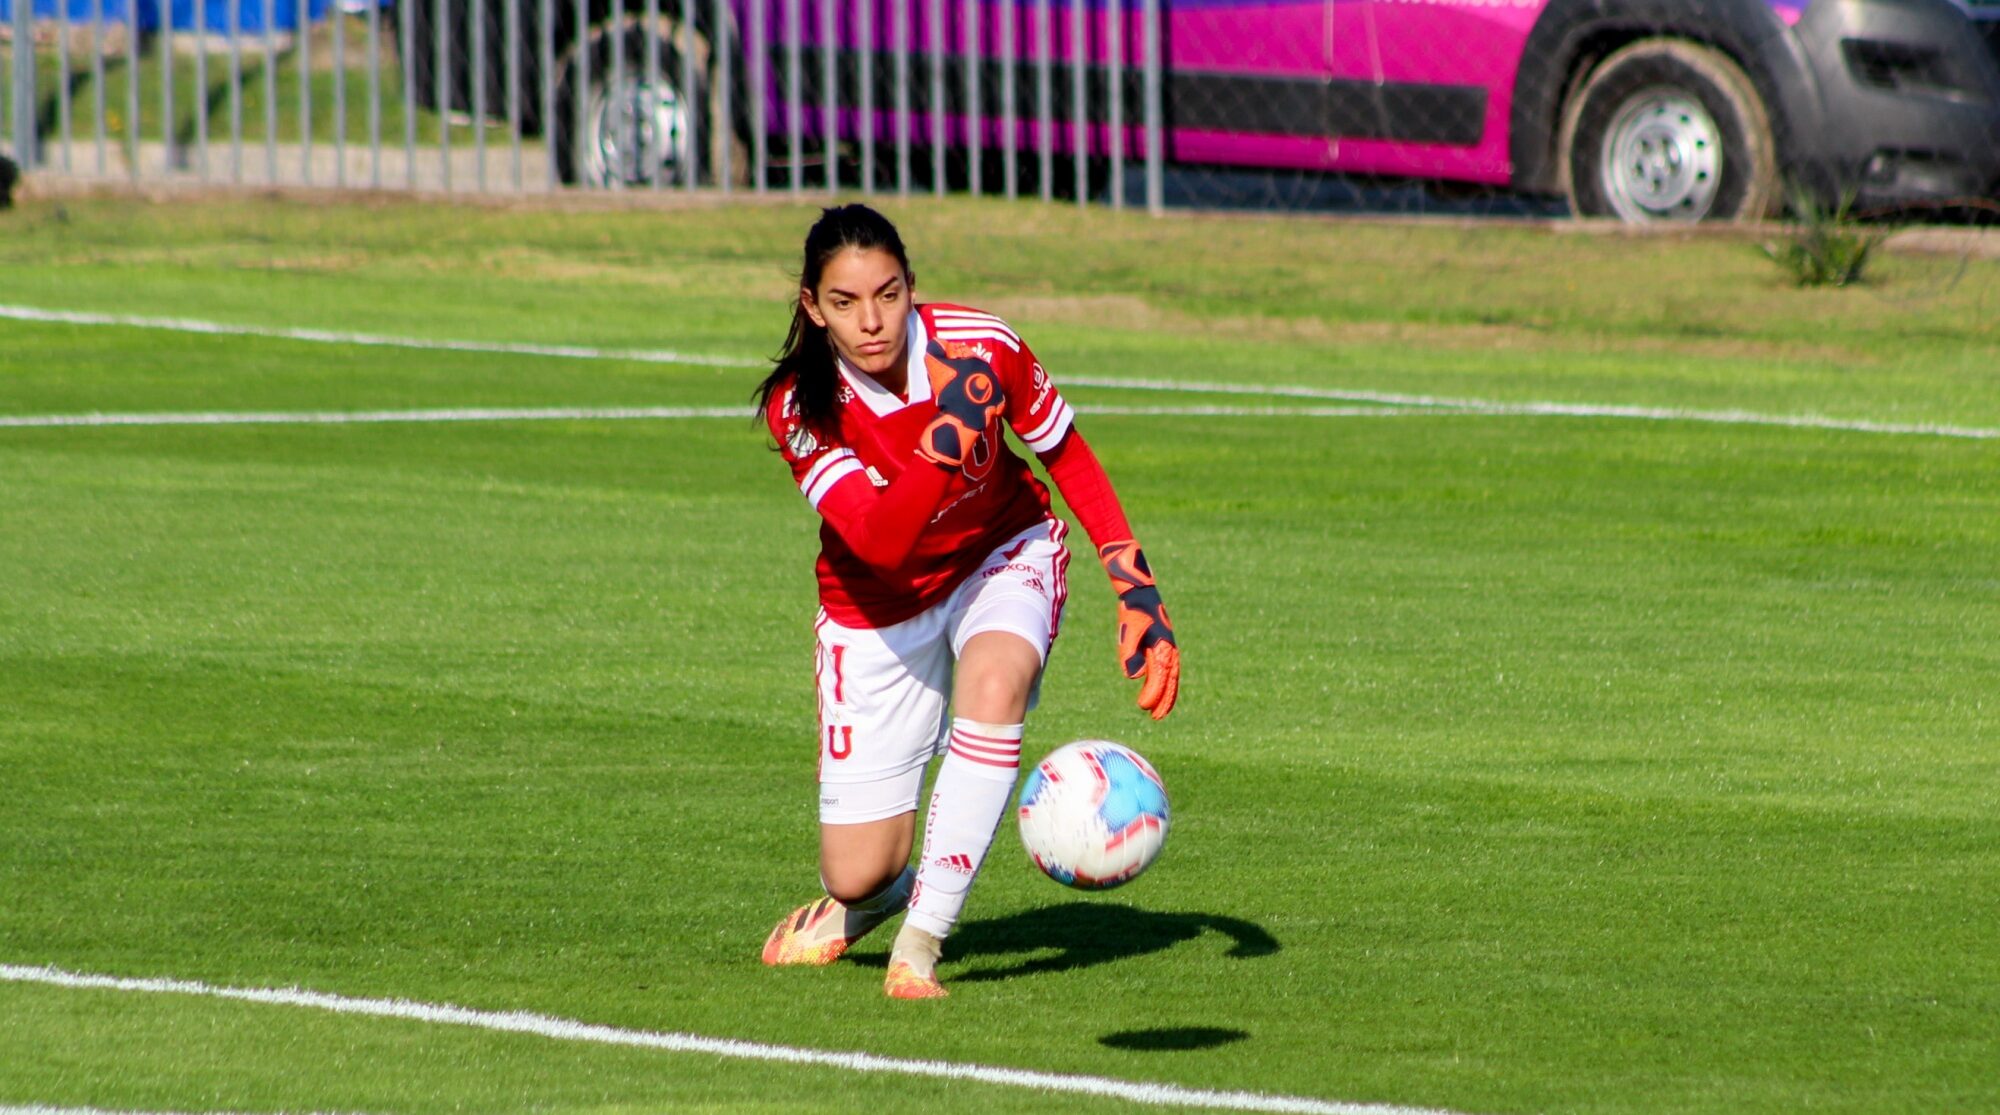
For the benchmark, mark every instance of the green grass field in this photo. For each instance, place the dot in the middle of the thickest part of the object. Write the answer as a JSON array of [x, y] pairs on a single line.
[[1525, 763]]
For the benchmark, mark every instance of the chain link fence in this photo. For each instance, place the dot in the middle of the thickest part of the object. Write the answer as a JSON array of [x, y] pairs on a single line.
[[1649, 110]]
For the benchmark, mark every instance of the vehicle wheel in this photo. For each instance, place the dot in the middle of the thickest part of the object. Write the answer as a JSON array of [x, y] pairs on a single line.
[[628, 130], [1667, 130]]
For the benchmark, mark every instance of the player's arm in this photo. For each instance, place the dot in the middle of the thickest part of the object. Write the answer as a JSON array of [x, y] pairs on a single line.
[[1042, 419], [881, 526], [1146, 644]]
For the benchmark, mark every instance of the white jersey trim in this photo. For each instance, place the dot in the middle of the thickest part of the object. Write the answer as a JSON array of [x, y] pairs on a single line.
[[978, 333], [828, 471], [974, 325], [956, 318], [1050, 433]]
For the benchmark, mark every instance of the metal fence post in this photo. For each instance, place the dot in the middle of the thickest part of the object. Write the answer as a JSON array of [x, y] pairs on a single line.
[[1079, 102], [975, 118], [1010, 170], [200, 88], [794, 96], [375, 94], [336, 23], [1045, 99], [829, 94], [1155, 129], [864, 33], [132, 55], [1114, 86], [303, 38], [902, 47], [23, 92], [166, 53], [97, 81], [937, 105], [724, 114], [235, 90], [691, 171], [548, 45], [62, 79], [760, 95], [23, 96], [407, 55], [650, 35], [476, 48], [270, 10], [512, 34]]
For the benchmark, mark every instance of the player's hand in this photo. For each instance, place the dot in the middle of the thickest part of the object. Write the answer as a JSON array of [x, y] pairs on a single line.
[[968, 398], [1146, 646]]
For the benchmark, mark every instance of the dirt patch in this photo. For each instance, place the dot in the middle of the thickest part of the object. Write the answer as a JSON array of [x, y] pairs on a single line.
[[1963, 243]]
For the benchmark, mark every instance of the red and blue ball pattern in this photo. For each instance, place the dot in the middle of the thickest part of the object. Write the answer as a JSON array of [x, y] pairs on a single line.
[[1093, 815]]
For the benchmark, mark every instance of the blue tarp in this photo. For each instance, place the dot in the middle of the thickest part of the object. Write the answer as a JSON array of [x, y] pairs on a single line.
[[186, 15]]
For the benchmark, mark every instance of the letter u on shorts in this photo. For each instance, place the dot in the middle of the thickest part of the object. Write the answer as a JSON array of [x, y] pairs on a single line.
[[885, 693]]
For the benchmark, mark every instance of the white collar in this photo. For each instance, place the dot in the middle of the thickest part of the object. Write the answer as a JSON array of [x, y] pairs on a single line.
[[917, 382]]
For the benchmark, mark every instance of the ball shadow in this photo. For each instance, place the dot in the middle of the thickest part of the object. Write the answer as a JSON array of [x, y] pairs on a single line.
[[1172, 1039], [1089, 933]]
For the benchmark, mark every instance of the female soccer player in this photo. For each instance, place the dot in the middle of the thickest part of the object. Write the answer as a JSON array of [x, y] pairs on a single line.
[[941, 582]]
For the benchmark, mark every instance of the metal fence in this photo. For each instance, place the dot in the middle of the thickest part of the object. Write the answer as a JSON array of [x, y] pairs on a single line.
[[1709, 110], [541, 95]]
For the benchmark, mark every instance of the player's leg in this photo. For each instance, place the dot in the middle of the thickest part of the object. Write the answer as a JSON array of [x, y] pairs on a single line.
[[1003, 630], [859, 861], [864, 869], [882, 704]]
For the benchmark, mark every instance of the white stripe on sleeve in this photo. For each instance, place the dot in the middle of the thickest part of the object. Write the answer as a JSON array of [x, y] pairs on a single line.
[[828, 471], [947, 332], [1050, 433], [953, 319]]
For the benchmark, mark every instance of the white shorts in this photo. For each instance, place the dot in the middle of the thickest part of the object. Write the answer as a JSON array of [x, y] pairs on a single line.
[[885, 692]]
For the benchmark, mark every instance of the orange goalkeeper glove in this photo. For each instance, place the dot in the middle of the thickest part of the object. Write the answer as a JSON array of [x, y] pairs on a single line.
[[968, 397], [1146, 646]]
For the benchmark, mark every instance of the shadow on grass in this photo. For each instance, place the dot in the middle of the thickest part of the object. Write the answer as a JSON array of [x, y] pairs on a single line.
[[1087, 933], [1172, 1039]]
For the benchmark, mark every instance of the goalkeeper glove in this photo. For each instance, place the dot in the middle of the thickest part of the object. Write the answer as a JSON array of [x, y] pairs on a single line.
[[1146, 646], [968, 397]]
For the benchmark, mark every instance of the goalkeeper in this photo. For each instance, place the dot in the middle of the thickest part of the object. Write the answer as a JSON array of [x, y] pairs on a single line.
[[942, 579]]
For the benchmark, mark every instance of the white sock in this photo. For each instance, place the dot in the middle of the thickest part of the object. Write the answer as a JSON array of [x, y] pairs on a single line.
[[974, 786]]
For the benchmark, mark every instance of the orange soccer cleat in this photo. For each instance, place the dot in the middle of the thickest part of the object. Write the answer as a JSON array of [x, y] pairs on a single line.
[[913, 966], [820, 932]]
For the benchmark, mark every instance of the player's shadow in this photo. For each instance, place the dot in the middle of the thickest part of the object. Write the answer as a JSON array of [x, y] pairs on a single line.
[[1085, 933]]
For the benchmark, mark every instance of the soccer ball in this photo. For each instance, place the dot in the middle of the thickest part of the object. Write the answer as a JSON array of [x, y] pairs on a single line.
[[1093, 814]]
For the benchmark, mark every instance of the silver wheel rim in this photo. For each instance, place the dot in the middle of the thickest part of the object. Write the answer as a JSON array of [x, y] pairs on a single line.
[[1662, 158], [633, 131]]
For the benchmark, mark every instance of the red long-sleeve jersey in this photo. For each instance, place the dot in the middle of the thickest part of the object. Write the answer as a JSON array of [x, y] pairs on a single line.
[[843, 470]]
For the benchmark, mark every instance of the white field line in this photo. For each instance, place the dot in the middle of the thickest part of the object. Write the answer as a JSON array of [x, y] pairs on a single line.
[[560, 414], [1379, 398], [40, 1109], [562, 1029], [331, 337], [1447, 404], [361, 417], [556, 414]]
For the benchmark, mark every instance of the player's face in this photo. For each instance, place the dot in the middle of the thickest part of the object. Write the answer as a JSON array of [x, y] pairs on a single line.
[[863, 300]]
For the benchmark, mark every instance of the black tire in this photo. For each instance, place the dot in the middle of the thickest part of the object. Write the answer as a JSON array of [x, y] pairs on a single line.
[[639, 131], [1667, 131]]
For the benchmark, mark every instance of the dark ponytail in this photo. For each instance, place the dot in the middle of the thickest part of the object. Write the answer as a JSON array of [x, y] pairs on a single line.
[[806, 362]]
